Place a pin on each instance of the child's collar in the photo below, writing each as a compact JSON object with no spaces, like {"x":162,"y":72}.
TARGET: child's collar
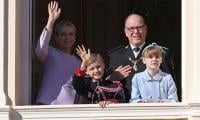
{"x":94,"y":80}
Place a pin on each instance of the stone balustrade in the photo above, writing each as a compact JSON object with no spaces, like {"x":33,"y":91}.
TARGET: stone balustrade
{"x":142,"y":111}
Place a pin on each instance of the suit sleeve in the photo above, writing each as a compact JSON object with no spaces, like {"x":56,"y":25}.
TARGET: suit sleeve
{"x":113,"y":64}
{"x":113,"y":58}
{"x":168,"y":64}
{"x":110,"y":63}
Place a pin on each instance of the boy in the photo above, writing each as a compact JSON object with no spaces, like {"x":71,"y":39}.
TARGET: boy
{"x":90,"y":81}
{"x":153,"y":85}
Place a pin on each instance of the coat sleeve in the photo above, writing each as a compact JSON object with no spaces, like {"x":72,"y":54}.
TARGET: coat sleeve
{"x":135,"y":93}
{"x":172,"y":91}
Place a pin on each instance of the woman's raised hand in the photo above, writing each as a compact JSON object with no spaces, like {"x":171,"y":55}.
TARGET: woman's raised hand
{"x":54,"y":10}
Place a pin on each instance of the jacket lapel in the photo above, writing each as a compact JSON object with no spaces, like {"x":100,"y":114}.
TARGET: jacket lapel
{"x":129,"y":52}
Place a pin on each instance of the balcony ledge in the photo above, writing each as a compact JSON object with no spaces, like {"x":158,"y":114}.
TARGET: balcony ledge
{"x":142,"y":111}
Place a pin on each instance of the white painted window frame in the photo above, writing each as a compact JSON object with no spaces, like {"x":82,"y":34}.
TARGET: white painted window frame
{"x":18,"y":37}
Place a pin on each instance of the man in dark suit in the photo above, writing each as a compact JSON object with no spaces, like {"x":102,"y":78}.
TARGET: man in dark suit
{"x":135,"y":30}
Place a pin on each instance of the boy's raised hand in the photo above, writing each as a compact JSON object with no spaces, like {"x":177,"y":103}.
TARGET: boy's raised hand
{"x":83,"y":54}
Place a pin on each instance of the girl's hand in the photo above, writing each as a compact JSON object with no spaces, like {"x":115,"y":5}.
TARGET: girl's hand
{"x":159,"y":101}
{"x":142,"y":101}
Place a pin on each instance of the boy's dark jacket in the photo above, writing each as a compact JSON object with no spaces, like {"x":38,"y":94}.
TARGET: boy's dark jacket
{"x":85,"y":87}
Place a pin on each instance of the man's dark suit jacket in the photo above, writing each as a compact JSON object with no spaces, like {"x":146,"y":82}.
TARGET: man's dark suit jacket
{"x":121,"y":55}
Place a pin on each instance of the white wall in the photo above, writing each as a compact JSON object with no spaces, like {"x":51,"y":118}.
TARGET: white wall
{"x":2,"y":95}
{"x":190,"y":74}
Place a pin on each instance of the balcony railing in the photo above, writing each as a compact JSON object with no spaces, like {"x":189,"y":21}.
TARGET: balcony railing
{"x":143,"y":111}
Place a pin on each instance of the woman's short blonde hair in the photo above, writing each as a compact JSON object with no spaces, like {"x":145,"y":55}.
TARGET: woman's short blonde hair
{"x":63,"y":23}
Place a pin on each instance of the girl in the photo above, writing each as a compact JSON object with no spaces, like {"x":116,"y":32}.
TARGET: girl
{"x":153,"y":85}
